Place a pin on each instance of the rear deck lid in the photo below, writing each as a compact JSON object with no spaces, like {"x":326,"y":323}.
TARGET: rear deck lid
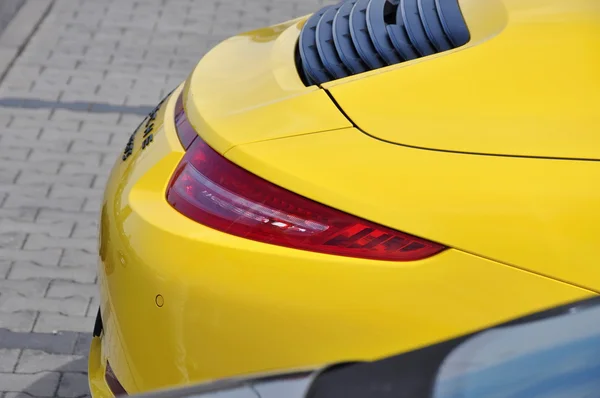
{"x":526,"y":84}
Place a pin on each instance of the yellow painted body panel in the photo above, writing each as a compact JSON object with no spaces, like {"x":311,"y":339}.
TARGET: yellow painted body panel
{"x":247,"y":89}
{"x":96,"y":369}
{"x":234,"y":306}
{"x":528,"y":84}
{"x":536,"y":214}
{"x":518,"y":229}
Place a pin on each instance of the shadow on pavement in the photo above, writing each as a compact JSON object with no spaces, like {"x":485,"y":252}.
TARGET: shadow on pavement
{"x":67,"y":381}
{"x":43,"y":365}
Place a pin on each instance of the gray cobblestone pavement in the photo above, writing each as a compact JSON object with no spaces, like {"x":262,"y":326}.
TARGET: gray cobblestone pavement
{"x":8,"y":8}
{"x":76,"y":76}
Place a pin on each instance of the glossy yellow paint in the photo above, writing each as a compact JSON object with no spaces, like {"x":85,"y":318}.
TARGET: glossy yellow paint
{"x":519,"y":228}
{"x":247,"y":89}
{"x":527,"y":84}
{"x":96,"y":369}
{"x":536,"y":214}
{"x":234,"y":306}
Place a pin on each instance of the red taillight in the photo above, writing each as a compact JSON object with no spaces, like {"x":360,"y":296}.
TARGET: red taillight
{"x":215,"y":192}
{"x":184,"y":130}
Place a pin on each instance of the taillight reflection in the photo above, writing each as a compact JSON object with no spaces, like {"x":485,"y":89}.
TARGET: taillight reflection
{"x":113,"y":383}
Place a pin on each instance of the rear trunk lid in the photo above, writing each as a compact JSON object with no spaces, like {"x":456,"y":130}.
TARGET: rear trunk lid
{"x":539,"y":215}
{"x":527,"y":84}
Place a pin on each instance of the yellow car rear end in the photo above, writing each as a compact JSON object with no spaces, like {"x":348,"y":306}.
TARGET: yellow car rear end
{"x":486,"y":238}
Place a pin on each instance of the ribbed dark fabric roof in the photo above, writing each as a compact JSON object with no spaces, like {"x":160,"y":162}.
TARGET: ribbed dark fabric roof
{"x":355,"y":36}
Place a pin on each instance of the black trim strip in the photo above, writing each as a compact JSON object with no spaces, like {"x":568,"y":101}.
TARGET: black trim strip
{"x":98,"y":326}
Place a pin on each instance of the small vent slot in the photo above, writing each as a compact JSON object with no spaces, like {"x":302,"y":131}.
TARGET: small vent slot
{"x":409,"y":11}
{"x":311,"y":60}
{"x":453,"y":22}
{"x":355,"y":36}
{"x":343,"y":40}
{"x":326,"y":45}
{"x":433,"y":25}
{"x":378,"y":31}
{"x":361,"y":37}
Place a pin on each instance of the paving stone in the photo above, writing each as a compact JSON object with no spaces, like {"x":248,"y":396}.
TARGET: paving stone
{"x":29,"y":270}
{"x":93,"y":307}
{"x":57,"y":215}
{"x":41,"y":257}
{"x":65,"y":115}
{"x":5,"y":267}
{"x":86,"y":230}
{"x":47,"y":323}
{"x":39,"y":241}
{"x":63,"y":191}
{"x":15,"y":395}
{"x":54,"y":228}
{"x":18,"y":321}
{"x":79,"y":258}
{"x":82,"y":346}
{"x":21,"y":137}
{"x":12,"y":240}
{"x":93,"y":160}
{"x":73,"y":385}
{"x":29,"y":288}
{"x":68,"y":204}
{"x":41,"y":167}
{"x":75,"y":169}
{"x":93,"y":205}
{"x":8,"y":153}
{"x":66,"y":306}
{"x":8,"y":176}
{"x":32,"y":140}
{"x":26,"y":117}
{"x":40,"y":385}
{"x":82,"y":181}
{"x":50,"y":343}
{"x":8,"y":359}
{"x":18,"y":214}
{"x":100,"y":182}
{"x":62,"y":289}
{"x":30,"y":192}
{"x":33,"y":361}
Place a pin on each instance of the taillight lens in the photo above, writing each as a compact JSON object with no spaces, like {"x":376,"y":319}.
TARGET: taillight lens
{"x":184,"y":129}
{"x":215,"y":192}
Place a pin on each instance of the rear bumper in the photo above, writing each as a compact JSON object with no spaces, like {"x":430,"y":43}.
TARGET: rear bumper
{"x":102,"y":380}
{"x":183,"y":303}
{"x":233,"y":311}
{"x":96,"y":370}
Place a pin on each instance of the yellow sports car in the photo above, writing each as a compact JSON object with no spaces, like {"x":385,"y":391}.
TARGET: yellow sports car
{"x":554,"y":353}
{"x":376,"y":177}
